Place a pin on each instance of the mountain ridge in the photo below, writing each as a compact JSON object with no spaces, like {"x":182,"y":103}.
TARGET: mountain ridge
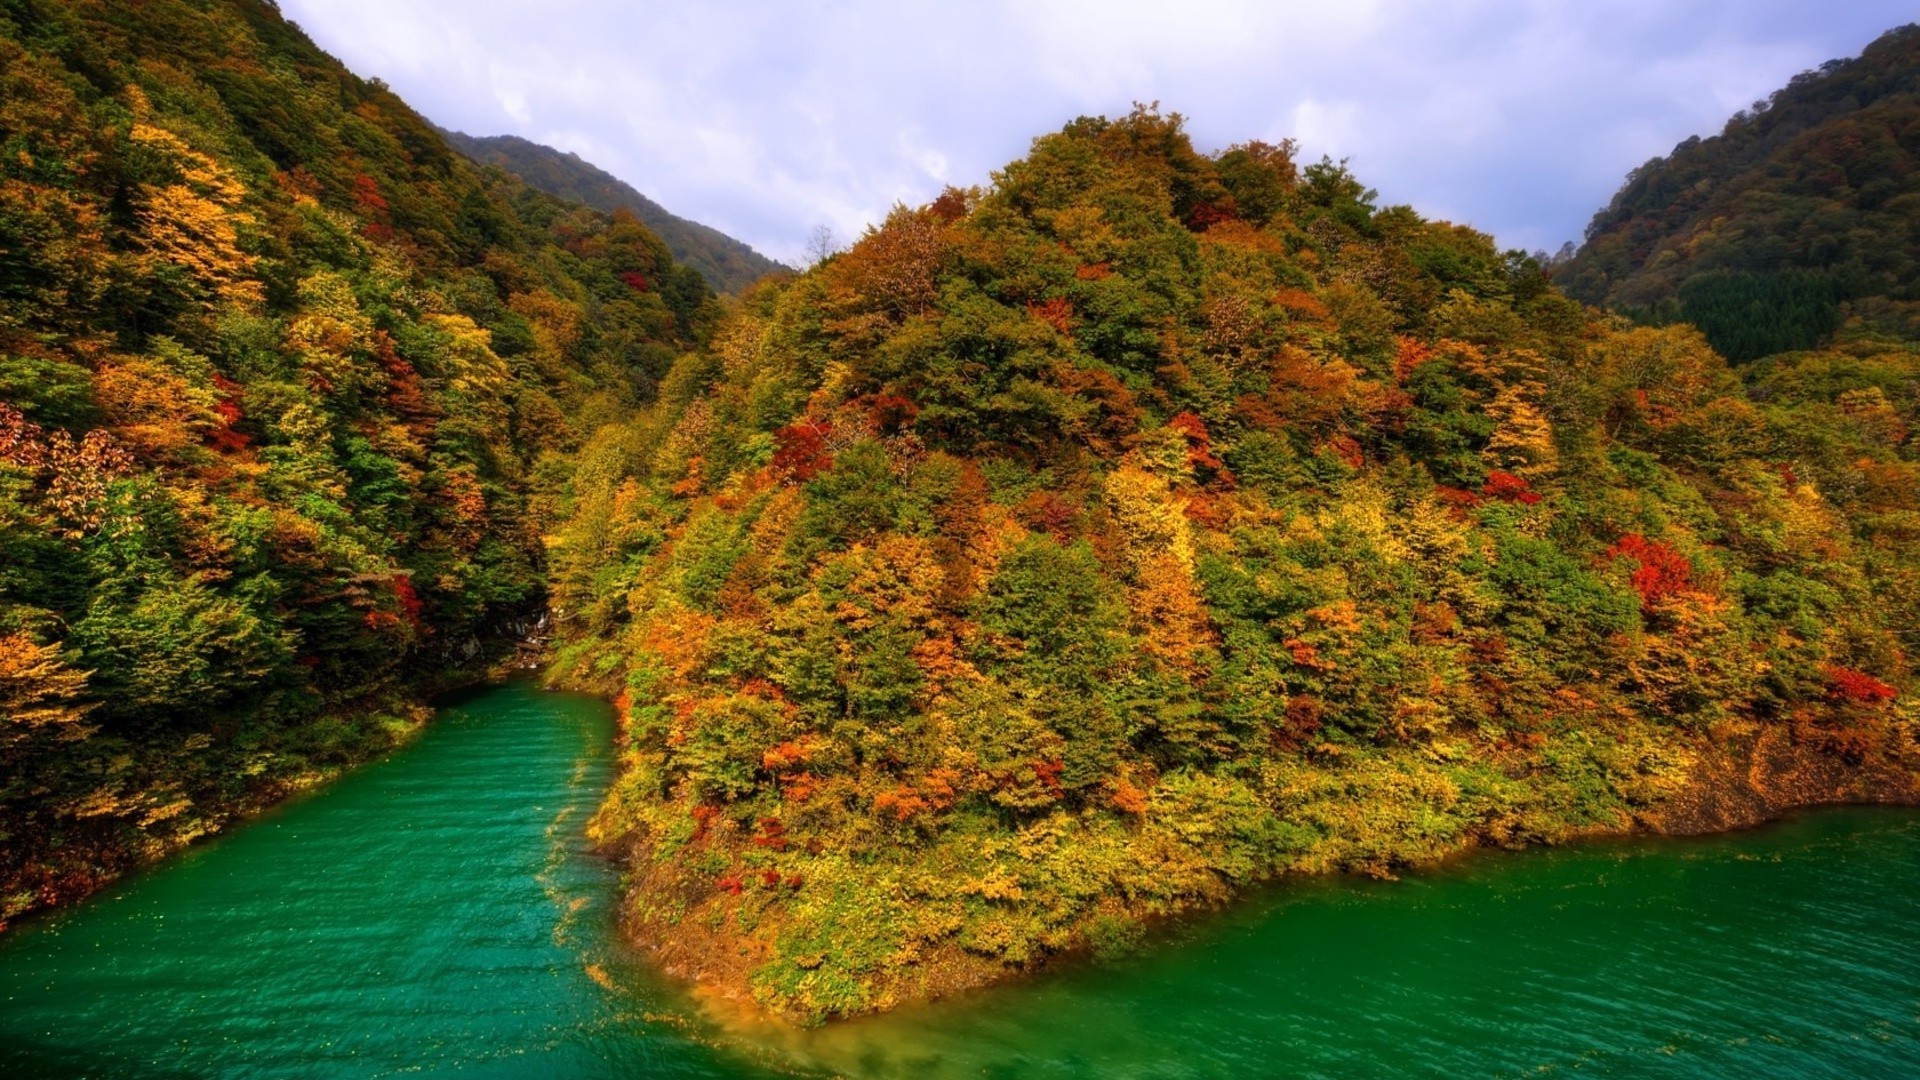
{"x":728,"y":264}
{"x":1800,"y":217}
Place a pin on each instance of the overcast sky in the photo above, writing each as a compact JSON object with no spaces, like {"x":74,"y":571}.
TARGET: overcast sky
{"x":766,"y":120}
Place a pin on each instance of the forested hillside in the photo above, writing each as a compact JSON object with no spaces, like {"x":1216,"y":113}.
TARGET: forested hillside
{"x":284,"y":385}
{"x":726,"y":263}
{"x":1802,"y":216}
{"x":1088,"y":547}
{"x":1068,"y":553}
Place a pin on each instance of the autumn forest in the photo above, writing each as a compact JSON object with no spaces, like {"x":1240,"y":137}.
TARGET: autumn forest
{"x":1070,"y":552}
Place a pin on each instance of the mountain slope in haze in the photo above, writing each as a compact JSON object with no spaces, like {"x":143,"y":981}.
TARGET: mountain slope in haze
{"x":1084,"y":549}
{"x":1801,"y":215}
{"x":727,"y":264}
{"x":284,"y":385}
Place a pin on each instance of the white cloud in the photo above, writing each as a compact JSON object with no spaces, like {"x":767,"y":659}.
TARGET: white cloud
{"x":765,"y":120}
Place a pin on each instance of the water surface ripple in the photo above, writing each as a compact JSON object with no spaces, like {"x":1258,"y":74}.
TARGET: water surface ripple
{"x":437,"y":913}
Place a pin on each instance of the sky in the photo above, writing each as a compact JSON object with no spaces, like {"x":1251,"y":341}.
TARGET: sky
{"x":769,"y":120}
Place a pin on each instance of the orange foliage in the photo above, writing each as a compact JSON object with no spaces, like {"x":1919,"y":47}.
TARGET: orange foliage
{"x":1056,"y":313}
{"x":1301,"y":304}
{"x":1126,"y":798}
{"x":1411,"y":355}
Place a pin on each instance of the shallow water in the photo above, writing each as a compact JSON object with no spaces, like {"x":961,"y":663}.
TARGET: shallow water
{"x":436,"y":912}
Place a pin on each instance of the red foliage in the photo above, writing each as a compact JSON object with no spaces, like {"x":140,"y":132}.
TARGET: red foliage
{"x":406,"y":396}
{"x":226,"y":437}
{"x":1056,"y":313}
{"x":1199,"y":446}
{"x":635,"y":280}
{"x":731,"y":884}
{"x":1048,"y":773}
{"x":770,"y":878}
{"x":408,"y":599}
{"x":1302,"y":724}
{"x":772,"y":834}
{"x":1205,"y":510}
{"x":887,"y":414}
{"x":1663,"y":571}
{"x":950,"y":207}
{"x":1458,"y":498}
{"x":1509,"y":488}
{"x":703,"y":819}
{"x":1209,"y":214}
{"x":1411,"y":355}
{"x":366,"y":195}
{"x":800,"y":451}
{"x":1094,"y":271}
{"x":1852,"y":687}
{"x":1047,"y":511}
{"x":1347,"y":450}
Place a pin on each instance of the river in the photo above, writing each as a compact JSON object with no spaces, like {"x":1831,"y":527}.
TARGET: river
{"x":437,"y":913}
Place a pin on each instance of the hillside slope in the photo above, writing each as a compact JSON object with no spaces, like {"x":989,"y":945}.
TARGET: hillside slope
{"x":1802,"y":215}
{"x":282,"y":382}
{"x":1084,"y":549}
{"x":726,"y":263}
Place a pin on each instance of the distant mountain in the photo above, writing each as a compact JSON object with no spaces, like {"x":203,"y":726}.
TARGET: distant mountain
{"x":727,"y":264}
{"x":1802,"y":215}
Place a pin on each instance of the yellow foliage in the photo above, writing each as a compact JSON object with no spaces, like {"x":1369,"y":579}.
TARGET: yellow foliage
{"x":1170,"y":615}
{"x":1151,"y":522}
{"x":1522,"y":443}
{"x":153,"y":409}
{"x":194,"y":223}
{"x":38,"y":689}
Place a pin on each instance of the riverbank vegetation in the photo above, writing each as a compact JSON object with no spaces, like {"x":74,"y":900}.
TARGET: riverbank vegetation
{"x":1080,"y":549}
{"x":1069,"y":552}
{"x":282,"y":379}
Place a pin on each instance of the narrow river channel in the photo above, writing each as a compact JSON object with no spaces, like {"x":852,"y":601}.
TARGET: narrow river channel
{"x":437,"y":913}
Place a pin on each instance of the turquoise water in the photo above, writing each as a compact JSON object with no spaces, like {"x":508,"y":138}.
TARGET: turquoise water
{"x":437,"y":913}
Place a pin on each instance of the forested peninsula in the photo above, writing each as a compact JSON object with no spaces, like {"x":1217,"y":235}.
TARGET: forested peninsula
{"x":1070,"y":552}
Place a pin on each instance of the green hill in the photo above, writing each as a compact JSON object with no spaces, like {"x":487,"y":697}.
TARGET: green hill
{"x":727,"y":264}
{"x":284,"y":384}
{"x":1085,"y":549}
{"x":1801,"y":216}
